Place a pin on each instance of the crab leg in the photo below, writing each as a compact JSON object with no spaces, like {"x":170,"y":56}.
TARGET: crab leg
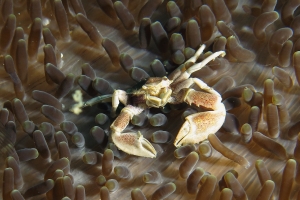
{"x":117,"y":97}
{"x":199,"y":125}
{"x":131,"y":143}
{"x":185,"y":70}
{"x":194,"y":58}
{"x":203,"y":63}
{"x":196,"y":67}
{"x":177,"y":72}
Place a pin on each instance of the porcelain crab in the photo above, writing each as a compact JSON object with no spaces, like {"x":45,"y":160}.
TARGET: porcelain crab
{"x":174,"y":89}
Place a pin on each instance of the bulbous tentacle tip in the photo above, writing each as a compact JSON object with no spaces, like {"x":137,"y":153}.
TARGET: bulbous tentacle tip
{"x":134,"y":144}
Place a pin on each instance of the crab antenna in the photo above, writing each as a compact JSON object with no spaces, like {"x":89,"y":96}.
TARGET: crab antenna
{"x":99,"y":99}
{"x":200,"y":65}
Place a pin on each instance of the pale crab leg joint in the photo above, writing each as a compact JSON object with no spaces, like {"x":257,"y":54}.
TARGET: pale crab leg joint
{"x":118,"y":96}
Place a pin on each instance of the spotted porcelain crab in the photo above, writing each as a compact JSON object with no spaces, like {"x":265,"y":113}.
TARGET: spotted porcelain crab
{"x":174,"y":89}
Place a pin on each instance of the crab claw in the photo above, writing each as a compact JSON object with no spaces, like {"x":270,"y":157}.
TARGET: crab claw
{"x":134,"y":143}
{"x":198,"y":126}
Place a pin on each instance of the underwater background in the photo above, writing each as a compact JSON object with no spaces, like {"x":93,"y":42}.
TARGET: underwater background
{"x":51,"y":50}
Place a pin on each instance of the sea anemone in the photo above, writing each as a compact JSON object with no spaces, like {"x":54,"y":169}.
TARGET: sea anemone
{"x":58,"y":54}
